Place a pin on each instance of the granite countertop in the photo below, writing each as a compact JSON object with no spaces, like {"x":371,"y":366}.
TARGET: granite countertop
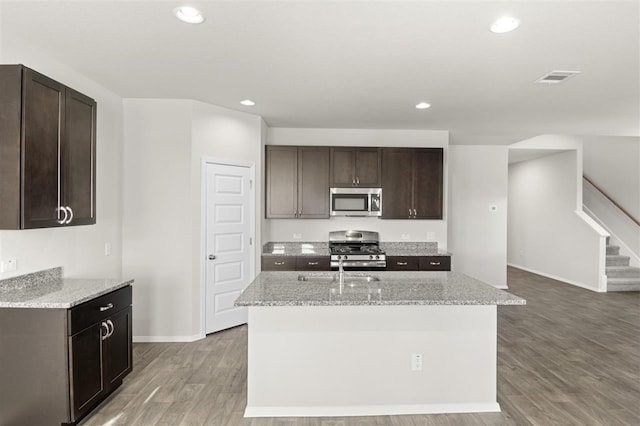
{"x":393,"y":288}
{"x":317,"y":248}
{"x":48,"y":289}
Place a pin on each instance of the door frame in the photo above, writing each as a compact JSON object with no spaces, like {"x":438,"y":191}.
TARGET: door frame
{"x":203,"y":228}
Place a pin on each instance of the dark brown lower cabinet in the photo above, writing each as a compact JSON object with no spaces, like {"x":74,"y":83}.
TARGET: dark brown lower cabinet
{"x":296,"y":263}
{"x":418,"y":263}
{"x":403,"y":263}
{"x":56,"y":365}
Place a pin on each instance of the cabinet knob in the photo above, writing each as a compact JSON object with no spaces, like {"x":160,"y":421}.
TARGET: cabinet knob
{"x":212,"y":257}
{"x":401,"y":263}
{"x":312,"y":263}
{"x":434,"y":263}
{"x":278,"y":263}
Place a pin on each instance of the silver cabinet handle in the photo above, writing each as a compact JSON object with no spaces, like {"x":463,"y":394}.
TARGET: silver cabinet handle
{"x":106,"y":308}
{"x":401,"y":263}
{"x":312,"y":263}
{"x":110,"y":324}
{"x":212,"y":257}
{"x":434,"y":263}
{"x":66,"y":215}
{"x":358,"y":181}
{"x":70,"y":215}
{"x":353,"y":181}
{"x":409,"y":212}
{"x":104,"y":324}
{"x":415,"y":212}
{"x":278,"y":263}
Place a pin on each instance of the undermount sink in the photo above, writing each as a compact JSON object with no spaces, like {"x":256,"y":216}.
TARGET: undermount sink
{"x":334,"y":278}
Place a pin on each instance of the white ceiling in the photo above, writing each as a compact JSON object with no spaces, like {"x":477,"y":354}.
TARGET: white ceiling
{"x":362,"y":64}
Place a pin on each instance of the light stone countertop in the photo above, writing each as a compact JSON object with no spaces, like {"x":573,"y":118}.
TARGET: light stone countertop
{"x":393,"y":288}
{"x":48,"y":289}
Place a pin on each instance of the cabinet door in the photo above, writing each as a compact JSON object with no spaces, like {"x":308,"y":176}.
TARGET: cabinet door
{"x":396,"y":183}
{"x":342,"y":167}
{"x":403,"y":263}
{"x":118,"y":349}
{"x":42,"y":112}
{"x":278,"y":263}
{"x":78,"y":157}
{"x":313,"y":182}
{"x":313,"y":263}
{"x":281,"y":182}
{"x":85,"y":368}
{"x":368,"y":163}
{"x":427,"y":183}
{"x":435,"y":263}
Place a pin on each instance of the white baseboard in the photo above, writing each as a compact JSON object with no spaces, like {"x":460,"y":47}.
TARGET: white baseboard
{"x":370,"y":410}
{"x":553,"y":277}
{"x":167,"y":339}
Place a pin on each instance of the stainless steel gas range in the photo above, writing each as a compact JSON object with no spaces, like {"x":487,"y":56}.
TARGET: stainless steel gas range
{"x":358,"y":251}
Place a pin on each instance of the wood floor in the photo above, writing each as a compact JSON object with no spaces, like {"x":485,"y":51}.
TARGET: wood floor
{"x":569,"y":357}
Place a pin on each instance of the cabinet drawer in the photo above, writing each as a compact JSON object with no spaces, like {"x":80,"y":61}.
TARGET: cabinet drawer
{"x":435,"y":263}
{"x":278,"y":263}
{"x":313,"y":263}
{"x":402,"y":263}
{"x":95,"y":310}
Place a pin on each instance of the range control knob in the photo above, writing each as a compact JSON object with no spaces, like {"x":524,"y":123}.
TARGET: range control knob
{"x":345,"y":257}
{"x":370,"y":256}
{"x":377,"y":257}
{"x":339,"y":257}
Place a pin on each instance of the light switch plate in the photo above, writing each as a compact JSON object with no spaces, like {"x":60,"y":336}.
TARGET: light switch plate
{"x":9,"y":265}
{"x":493,"y":208}
{"x":405,"y":236}
{"x":297,"y":236}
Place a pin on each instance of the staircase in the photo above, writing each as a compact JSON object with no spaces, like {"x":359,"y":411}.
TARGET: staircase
{"x":620,"y":276}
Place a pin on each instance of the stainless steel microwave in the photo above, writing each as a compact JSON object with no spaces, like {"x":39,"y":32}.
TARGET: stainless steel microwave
{"x":356,"y":201}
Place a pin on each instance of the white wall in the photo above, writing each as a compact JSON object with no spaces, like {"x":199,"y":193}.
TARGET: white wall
{"x":478,"y":179}
{"x":613,"y":163}
{"x":547,"y":232}
{"x":79,"y":249}
{"x":165,"y":141}
{"x":390,"y":230}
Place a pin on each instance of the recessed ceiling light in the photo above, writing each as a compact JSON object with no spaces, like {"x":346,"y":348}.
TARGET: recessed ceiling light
{"x":189,"y":14}
{"x":505,"y":24}
{"x":248,"y":102}
{"x":423,"y":105}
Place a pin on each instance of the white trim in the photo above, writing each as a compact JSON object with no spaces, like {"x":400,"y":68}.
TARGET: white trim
{"x":554,"y":277}
{"x":203,"y":226}
{"x":163,"y":339}
{"x":624,"y":248}
{"x":370,"y":410}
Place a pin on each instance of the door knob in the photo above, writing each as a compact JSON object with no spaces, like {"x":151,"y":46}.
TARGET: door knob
{"x":212,"y":257}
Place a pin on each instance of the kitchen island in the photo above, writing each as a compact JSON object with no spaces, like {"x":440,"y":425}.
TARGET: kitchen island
{"x":378,"y":344}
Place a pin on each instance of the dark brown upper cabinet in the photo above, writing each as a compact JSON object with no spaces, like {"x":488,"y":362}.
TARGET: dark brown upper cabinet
{"x":297,"y":183}
{"x":354,"y":166}
{"x":47,"y":152}
{"x":412,"y":181}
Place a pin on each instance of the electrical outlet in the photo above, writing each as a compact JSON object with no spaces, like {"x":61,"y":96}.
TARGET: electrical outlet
{"x":493,"y":208}
{"x":416,"y":362}
{"x":9,"y":265}
{"x":107,"y":249}
{"x":431,"y":236}
{"x":405,"y":236}
{"x":297,"y":236}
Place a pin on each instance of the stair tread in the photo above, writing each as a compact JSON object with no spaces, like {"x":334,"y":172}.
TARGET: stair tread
{"x":618,"y":256}
{"x":622,"y":268}
{"x":621,"y":280}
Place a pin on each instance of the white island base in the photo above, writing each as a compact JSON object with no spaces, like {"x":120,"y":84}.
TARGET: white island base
{"x":357,"y":360}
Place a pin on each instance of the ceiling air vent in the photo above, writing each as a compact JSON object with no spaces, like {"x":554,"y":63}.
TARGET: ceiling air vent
{"x":555,"y":77}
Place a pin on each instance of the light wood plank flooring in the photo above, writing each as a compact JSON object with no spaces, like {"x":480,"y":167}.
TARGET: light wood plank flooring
{"x":569,"y":357}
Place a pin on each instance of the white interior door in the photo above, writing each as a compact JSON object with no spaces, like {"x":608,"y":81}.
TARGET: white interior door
{"x":229,"y":211}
